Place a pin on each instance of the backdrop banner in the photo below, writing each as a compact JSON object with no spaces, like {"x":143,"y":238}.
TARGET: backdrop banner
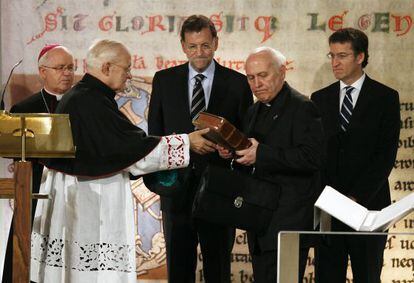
{"x":150,"y":29}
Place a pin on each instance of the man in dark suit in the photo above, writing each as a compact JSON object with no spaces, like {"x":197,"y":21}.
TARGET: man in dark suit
{"x":286,"y":150}
{"x":361,"y":120}
{"x":56,"y":69}
{"x":178,"y":95}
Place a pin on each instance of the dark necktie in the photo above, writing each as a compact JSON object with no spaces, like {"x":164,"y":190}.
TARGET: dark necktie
{"x":346,"y":109}
{"x":198,"y":101}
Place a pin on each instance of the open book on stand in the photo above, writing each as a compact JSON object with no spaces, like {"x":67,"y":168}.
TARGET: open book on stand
{"x":222,"y":132}
{"x":355,"y":215}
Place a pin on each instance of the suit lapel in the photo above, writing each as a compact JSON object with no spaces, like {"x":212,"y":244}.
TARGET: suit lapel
{"x":218,"y":87}
{"x":333,"y":106}
{"x":363,"y":102}
{"x":181,"y":87}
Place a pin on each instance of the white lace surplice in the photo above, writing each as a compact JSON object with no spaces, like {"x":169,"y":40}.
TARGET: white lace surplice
{"x":85,"y":231}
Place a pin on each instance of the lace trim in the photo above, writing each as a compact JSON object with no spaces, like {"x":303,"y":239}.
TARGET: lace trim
{"x":82,"y":257}
{"x":176,"y":153}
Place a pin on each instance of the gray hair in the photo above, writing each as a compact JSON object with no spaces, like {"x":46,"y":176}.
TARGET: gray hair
{"x":278,"y":59}
{"x":44,"y":60}
{"x":103,"y":50}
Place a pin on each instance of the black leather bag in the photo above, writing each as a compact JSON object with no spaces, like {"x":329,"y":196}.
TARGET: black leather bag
{"x":231,"y":198}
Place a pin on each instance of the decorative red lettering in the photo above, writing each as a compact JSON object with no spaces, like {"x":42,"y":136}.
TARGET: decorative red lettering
{"x":336,"y":22}
{"x":398,"y":23}
{"x":106,"y":23}
{"x":218,"y":23}
{"x":364,"y":22}
{"x":155,"y":22}
{"x":263,"y":24}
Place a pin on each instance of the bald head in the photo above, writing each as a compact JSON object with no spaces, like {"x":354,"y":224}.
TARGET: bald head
{"x":275,"y":56}
{"x":104,"y":50}
{"x":110,"y":62}
{"x":265,"y":71}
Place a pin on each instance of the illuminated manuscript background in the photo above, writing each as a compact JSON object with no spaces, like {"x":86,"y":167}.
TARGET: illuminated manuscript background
{"x":150,"y":29}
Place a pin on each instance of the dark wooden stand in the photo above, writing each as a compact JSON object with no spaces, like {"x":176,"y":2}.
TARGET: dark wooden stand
{"x":20,"y":188}
{"x":14,"y":130}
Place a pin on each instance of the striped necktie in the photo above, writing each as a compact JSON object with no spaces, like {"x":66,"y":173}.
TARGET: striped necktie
{"x":198,"y":101}
{"x":346,"y":109}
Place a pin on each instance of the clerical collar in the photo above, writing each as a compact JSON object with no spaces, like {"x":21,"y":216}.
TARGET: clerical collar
{"x":277,"y":97}
{"x":58,"y":96}
{"x":270,"y":103}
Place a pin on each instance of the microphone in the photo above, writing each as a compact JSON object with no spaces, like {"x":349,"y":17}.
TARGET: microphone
{"x":5,"y":86}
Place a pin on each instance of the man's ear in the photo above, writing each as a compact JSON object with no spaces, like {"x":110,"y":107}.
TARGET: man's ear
{"x":105,"y":68}
{"x":360,"y":58}
{"x":42,"y":73}
{"x":215,"y":43}
{"x":183,"y":46}
{"x":282,"y":71}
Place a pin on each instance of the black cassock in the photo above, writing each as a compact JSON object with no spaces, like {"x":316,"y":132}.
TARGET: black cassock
{"x":106,"y":141}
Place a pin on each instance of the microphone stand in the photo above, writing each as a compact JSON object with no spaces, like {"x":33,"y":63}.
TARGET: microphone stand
{"x":7,"y":83}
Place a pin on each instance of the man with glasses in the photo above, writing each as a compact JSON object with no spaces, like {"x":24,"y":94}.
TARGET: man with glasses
{"x":56,"y":70}
{"x":85,"y":232}
{"x":361,"y":120}
{"x":179,"y":94}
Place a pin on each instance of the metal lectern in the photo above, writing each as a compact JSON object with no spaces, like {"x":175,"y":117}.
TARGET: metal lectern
{"x":29,"y":136}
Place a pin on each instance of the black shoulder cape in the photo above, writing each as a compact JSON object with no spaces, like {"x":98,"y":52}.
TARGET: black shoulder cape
{"x":106,"y":141}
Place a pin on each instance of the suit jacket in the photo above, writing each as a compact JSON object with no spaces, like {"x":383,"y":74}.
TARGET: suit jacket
{"x":290,"y":157}
{"x":169,"y":113}
{"x":35,"y":104}
{"x":359,"y":161}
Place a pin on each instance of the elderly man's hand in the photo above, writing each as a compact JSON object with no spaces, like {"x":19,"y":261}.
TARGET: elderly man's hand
{"x":248,"y":156}
{"x":223,"y":152}
{"x":199,"y":144}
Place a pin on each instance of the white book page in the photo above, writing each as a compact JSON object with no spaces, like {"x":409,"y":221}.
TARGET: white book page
{"x":342,"y":208}
{"x":369,"y":221}
{"x":394,"y":212}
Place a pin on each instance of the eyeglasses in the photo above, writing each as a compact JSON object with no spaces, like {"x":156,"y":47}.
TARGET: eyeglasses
{"x":339,"y":56}
{"x":127,"y":70}
{"x":192,"y":48}
{"x":62,"y":68}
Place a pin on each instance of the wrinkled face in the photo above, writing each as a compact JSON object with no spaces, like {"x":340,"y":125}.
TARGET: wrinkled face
{"x":346,"y":66}
{"x":199,"y":48}
{"x":120,"y":71}
{"x":57,"y":72}
{"x":265,"y":79}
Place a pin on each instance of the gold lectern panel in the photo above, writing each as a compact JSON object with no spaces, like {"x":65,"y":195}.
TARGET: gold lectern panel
{"x":47,"y":135}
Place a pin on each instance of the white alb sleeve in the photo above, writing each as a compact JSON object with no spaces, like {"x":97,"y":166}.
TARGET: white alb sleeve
{"x":172,"y":152}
